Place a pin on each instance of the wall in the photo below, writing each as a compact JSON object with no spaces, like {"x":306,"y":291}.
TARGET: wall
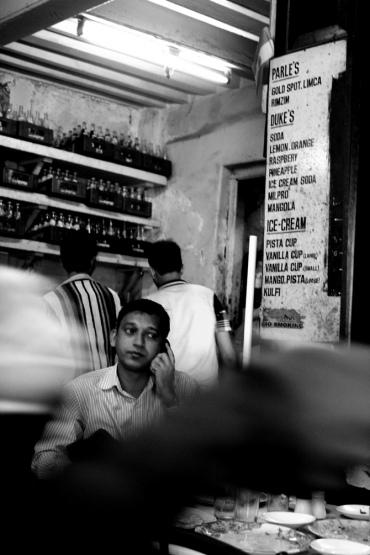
{"x":202,"y":138}
{"x":67,"y":108}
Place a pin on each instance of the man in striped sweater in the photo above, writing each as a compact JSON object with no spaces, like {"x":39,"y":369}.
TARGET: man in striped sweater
{"x":86,"y":309}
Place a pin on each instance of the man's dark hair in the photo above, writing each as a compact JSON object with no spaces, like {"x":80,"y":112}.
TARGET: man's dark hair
{"x":77,"y":251}
{"x":164,"y":257}
{"x":148,"y":307}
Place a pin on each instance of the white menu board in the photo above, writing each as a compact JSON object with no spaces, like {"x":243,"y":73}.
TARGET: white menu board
{"x":295,"y":303}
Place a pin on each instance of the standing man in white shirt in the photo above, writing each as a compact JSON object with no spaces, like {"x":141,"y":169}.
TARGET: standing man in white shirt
{"x":200,"y":334}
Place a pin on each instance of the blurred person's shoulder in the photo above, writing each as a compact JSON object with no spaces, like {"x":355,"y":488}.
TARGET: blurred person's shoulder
{"x":185,"y":382}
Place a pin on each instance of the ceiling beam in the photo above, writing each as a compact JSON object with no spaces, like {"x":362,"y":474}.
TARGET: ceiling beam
{"x":100,"y":73}
{"x":67,"y":79}
{"x":260,"y":6}
{"x":179,"y":29}
{"x":67,"y":45}
{"x":19,"y":18}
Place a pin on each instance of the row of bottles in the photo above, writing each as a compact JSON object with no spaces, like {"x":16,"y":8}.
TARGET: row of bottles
{"x":10,"y":216}
{"x":19,"y":114}
{"x":67,"y":140}
{"x":95,"y":192}
{"x":92,"y":140}
{"x":111,"y":235}
{"x":27,"y":125}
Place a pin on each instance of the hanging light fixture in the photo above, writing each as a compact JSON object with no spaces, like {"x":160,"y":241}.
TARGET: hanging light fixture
{"x":117,"y":40}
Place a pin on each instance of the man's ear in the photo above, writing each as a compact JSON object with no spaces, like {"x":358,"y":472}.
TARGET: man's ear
{"x":113,"y":337}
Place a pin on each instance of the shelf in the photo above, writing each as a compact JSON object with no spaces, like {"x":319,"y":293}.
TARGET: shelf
{"x":54,"y":250}
{"x":64,"y":204}
{"x":138,"y":177}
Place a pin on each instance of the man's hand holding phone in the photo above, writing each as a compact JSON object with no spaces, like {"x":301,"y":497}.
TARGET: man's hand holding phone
{"x":163,"y":368}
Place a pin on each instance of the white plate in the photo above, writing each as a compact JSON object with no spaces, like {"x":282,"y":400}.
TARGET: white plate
{"x":285,"y":518}
{"x":257,"y":539}
{"x":354,"y":511}
{"x":333,"y":546}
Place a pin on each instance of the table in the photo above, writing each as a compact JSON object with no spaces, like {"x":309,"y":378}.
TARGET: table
{"x":203,"y":544}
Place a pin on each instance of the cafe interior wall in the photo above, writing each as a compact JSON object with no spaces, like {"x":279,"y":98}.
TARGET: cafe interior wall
{"x":203,"y":137}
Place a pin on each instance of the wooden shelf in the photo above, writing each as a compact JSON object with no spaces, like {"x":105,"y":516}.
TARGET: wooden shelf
{"x":63,"y":204}
{"x":140,"y":177}
{"x":27,"y":245}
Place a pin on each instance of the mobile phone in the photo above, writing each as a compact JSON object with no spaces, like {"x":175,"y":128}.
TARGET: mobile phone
{"x":165,"y":344}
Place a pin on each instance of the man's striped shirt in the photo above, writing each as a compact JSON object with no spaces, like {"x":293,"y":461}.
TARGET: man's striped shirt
{"x":87,"y":312}
{"x":97,"y":401}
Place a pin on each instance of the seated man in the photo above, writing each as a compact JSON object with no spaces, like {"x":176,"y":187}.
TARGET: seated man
{"x":120,"y":399}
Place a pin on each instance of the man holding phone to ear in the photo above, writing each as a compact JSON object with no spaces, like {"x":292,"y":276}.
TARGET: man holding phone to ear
{"x":118,"y":401}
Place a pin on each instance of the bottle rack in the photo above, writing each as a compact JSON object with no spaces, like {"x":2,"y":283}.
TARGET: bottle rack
{"x":96,"y":144}
{"x":117,"y":214}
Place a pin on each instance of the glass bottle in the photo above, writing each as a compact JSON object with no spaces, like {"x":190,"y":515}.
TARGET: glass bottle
{"x":29,"y":117}
{"x":9,"y":112}
{"x":17,"y":214}
{"x":88,"y":226}
{"x":53,"y":219}
{"x":61,"y":220}
{"x":110,"y":229}
{"x":103,"y":229}
{"x":114,"y":138}
{"x":318,"y":504}
{"x":38,"y":119}
{"x":47,"y":219}
{"x":75,"y":134}
{"x":21,"y":116}
{"x":45,"y":122}
{"x":76,"y":224}
{"x":9,"y":211}
{"x":64,"y":141}
{"x":107,"y":136}
{"x":92,"y":131}
{"x":69,"y":222}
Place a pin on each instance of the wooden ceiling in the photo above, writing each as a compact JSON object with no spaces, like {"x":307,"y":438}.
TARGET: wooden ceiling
{"x":226,"y":29}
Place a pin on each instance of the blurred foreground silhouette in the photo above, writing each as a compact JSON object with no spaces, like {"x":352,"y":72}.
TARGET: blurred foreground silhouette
{"x":294,"y":420}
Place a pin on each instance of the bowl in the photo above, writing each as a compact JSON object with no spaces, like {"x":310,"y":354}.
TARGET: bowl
{"x":360,"y":512}
{"x":333,"y":546}
{"x":286,"y":518}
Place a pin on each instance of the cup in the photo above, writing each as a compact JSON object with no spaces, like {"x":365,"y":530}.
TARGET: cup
{"x":303,"y":506}
{"x":279,"y":502}
{"x":247,"y":505}
{"x":224,"y":505}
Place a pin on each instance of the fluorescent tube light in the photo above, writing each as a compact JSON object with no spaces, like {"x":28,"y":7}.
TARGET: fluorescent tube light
{"x":115,"y":39}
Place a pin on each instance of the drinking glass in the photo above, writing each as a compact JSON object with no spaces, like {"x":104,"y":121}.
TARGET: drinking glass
{"x":247,"y":505}
{"x":224,"y":504}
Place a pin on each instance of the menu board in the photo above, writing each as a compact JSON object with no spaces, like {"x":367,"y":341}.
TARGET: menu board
{"x":295,"y":301}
